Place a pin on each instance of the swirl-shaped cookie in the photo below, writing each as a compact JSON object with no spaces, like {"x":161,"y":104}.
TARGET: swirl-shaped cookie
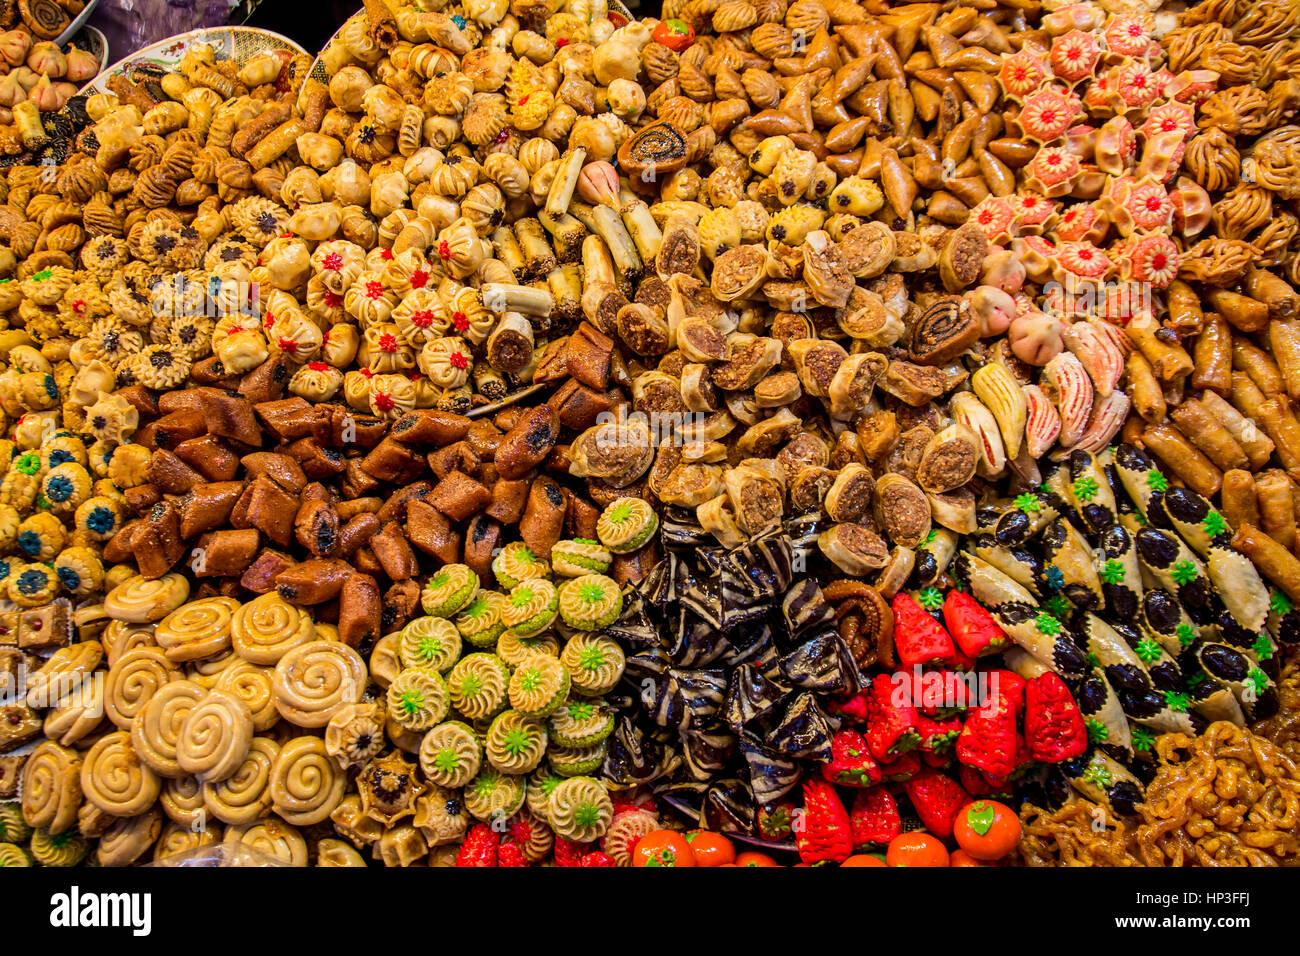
{"x":515,"y":743}
{"x":121,"y":637}
{"x":196,"y":630}
{"x":51,"y":790}
{"x":626,"y":524}
{"x":538,"y":686}
{"x":58,"y":849}
{"x":13,"y":828}
{"x":581,"y":723}
{"x":516,"y":563}
{"x":627,"y":827}
{"x":252,"y":685}
{"x":450,"y":755}
{"x":207,"y":672}
{"x":430,"y":642}
{"x":541,"y":783}
{"x":277,"y":840}
{"x":480,"y":622}
{"x":139,"y":600}
{"x":182,"y":801}
{"x":266,"y":628}
{"x":13,"y":855}
{"x":306,"y":784}
{"x":580,"y":809}
{"x":315,"y":679}
{"x":157,"y":726}
{"x":176,"y":839}
{"x":512,"y":648}
{"x":215,"y":737}
{"x":594,"y":663}
{"x":449,"y":590}
{"x":126,"y":840}
{"x":534,"y":838}
{"x":135,"y":678}
{"x":590,"y":602}
{"x":244,"y":796}
{"x":331,"y":852}
{"x":115,"y":779}
{"x":477,"y":685}
{"x":579,"y":556}
{"x":531,"y":607}
{"x":418,"y":699}
{"x":492,"y":795}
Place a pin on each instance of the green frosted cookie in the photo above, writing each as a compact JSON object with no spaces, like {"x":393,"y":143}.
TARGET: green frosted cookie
{"x":449,"y":590}
{"x":581,"y":723}
{"x":578,"y":556}
{"x":512,"y":648}
{"x":13,"y":828}
{"x":417,"y":699}
{"x":450,"y":754}
{"x":477,"y":685}
{"x":595,"y":663}
{"x":516,"y":563}
{"x":429,"y":642}
{"x":480,"y":622}
{"x":626,"y":524}
{"x":515,"y":743}
{"x":538,"y":686}
{"x":540,"y":784}
{"x":590,"y":602}
{"x":530,"y":607}
{"x":494,"y":795}
{"x":575,"y":761}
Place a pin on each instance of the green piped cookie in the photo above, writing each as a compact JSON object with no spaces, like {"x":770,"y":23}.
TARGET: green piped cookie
{"x":538,"y":686}
{"x":480,"y":622}
{"x":626,"y":524}
{"x":578,"y":556}
{"x":590,"y":602}
{"x":530,"y":607}
{"x":516,"y":563}
{"x":449,"y":590}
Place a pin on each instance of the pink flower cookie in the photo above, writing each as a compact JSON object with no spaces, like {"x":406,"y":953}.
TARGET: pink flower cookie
{"x":995,"y":217}
{"x":1048,"y":112}
{"x":1033,"y":213}
{"x":1081,"y":222}
{"x":1152,"y":259}
{"x":1021,"y":73}
{"x":1074,"y":56}
{"x":1052,"y":171}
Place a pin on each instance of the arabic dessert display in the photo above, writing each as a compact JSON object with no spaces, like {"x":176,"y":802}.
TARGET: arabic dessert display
{"x":835,"y":434}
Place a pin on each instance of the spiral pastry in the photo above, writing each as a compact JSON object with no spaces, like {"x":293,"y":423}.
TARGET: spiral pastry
{"x":516,"y":563}
{"x":580,"y":809}
{"x":58,"y":849}
{"x":477,"y":685}
{"x":480,"y":622}
{"x":215,"y":737}
{"x":627,"y":827}
{"x":417,"y":699}
{"x":306,"y":784}
{"x":440,"y":816}
{"x":355,"y":733}
{"x":432,"y":643}
{"x":266,"y":628}
{"x":176,"y":839}
{"x":337,"y":853}
{"x":244,"y":796}
{"x":538,"y":686}
{"x":450,"y":590}
{"x":450,"y":755}
{"x":277,"y":840}
{"x":252,"y":685}
{"x":943,"y":331}
{"x":119,"y":637}
{"x":139,"y":600}
{"x":136,"y":677}
{"x":313,"y":680}
{"x":531,"y":607}
{"x":208,"y":671}
{"x":51,"y":791}
{"x":626,"y":524}
{"x":590,"y":602}
{"x":182,"y":801}
{"x":46,"y":18}
{"x":514,"y":743}
{"x":157,"y":727}
{"x":492,"y":795}
{"x":594,"y":663}
{"x":658,"y":150}
{"x":512,"y":648}
{"x":196,"y":630}
{"x":127,"y":839}
{"x":115,"y":779}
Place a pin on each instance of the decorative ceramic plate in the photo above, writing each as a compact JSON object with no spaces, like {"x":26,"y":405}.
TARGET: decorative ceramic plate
{"x":77,"y":22}
{"x":240,"y":44}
